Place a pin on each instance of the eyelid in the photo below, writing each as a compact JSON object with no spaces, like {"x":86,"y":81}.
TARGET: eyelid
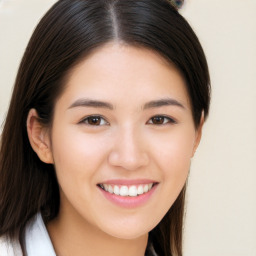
{"x":84,"y":119}
{"x":168,"y":120}
{"x":171,"y":120}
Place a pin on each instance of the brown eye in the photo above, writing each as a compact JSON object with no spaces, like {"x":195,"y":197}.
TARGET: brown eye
{"x":160,"y":120}
{"x":94,"y":120}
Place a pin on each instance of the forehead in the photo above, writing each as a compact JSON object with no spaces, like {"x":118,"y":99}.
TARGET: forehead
{"x":115,"y":70}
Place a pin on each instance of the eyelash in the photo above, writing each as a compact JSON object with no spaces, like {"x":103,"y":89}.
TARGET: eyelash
{"x":165,"y":120}
{"x":88,"y":118}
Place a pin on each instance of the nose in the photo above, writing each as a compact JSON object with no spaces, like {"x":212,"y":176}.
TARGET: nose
{"x":129,"y":150}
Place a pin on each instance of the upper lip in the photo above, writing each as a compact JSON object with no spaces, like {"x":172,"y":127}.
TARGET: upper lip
{"x":128,"y":182}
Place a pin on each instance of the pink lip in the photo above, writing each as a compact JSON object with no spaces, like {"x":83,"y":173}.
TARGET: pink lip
{"x":128,"y":182}
{"x":129,"y":201}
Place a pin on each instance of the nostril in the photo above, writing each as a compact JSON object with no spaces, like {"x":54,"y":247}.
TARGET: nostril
{"x":128,"y":150}
{"x":128,"y":161}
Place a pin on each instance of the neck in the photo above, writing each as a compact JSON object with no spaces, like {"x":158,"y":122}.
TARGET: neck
{"x":72,"y":235}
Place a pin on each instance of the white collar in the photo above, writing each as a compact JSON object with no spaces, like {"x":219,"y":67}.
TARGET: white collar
{"x":37,"y":240}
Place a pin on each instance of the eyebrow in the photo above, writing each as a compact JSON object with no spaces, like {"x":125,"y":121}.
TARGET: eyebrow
{"x":91,"y":103}
{"x":102,"y":104}
{"x":163,"y":102}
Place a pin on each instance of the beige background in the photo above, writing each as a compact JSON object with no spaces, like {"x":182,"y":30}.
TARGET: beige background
{"x":221,"y":201}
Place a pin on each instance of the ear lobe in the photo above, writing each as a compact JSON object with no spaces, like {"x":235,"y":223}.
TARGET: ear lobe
{"x":39,"y":137}
{"x":198,"y":134}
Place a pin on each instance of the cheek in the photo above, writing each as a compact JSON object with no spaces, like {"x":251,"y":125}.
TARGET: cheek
{"x":173,"y":157}
{"x":174,"y":150}
{"x":77,"y":155}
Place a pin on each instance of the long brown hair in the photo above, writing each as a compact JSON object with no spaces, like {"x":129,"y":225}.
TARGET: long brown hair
{"x":68,"y":32}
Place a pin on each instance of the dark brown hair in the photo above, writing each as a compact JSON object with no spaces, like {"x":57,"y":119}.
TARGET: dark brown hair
{"x":65,"y":35}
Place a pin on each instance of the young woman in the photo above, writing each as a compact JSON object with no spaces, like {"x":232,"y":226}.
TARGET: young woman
{"x":106,"y":114}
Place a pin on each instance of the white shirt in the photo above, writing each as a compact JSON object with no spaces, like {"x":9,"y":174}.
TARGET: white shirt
{"x":37,"y":241}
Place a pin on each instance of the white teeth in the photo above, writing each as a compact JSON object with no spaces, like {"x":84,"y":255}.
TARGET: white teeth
{"x":126,"y":190}
{"x":145,"y":189}
{"x":110,"y":189}
{"x":116,"y":190}
{"x":133,"y":191}
{"x":140,"y":190}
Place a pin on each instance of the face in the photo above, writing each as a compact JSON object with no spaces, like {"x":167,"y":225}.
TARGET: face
{"x":121,"y":140}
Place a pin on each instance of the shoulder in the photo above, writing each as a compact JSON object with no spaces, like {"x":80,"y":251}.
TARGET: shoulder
{"x":37,"y":241}
{"x":8,"y":247}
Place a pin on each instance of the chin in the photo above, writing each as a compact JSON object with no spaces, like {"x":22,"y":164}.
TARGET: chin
{"x":127,"y":235}
{"x":129,"y":231}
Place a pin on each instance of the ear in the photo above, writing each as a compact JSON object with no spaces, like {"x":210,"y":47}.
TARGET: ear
{"x":39,"y":137}
{"x":198,"y":134}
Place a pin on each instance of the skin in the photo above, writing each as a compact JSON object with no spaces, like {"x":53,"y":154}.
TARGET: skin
{"x":127,"y":144}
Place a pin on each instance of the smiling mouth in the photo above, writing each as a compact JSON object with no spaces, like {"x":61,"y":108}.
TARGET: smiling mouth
{"x":127,"y":191}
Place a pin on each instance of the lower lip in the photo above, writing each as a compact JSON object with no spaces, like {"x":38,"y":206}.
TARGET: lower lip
{"x":129,"y":201}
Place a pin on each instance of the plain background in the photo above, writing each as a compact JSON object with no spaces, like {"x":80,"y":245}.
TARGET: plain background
{"x":221,"y":198}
